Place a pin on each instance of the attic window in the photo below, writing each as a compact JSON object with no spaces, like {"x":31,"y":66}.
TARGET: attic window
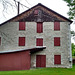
{"x":35,"y":12}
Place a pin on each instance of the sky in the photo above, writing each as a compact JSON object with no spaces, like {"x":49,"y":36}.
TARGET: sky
{"x":58,"y":6}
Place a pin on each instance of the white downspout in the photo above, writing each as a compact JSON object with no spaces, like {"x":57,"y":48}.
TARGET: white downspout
{"x":70,"y":50}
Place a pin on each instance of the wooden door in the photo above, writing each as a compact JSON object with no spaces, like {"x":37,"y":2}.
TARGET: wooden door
{"x":41,"y":61}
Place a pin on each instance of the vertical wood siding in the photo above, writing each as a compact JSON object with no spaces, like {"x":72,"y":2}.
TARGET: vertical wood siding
{"x":40,"y":60}
{"x":15,"y":61}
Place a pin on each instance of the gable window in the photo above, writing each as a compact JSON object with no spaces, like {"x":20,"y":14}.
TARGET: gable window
{"x":21,"y":41}
{"x":35,"y":12}
{"x":56,"y":41}
{"x":39,"y":27}
{"x":57,"y":59}
{"x":39,"y":42}
{"x":21,"y":25}
{"x":0,"y":40}
{"x":56,"y":26}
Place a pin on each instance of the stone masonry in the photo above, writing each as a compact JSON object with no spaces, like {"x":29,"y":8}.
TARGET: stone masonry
{"x":10,"y":34}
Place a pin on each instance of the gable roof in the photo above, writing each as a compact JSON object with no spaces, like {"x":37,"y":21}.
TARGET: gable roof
{"x":48,"y":13}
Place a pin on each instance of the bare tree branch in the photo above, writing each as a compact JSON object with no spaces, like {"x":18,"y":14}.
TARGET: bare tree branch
{"x":28,"y":2}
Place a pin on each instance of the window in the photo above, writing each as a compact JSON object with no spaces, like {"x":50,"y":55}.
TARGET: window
{"x":56,"y":25}
{"x":35,"y":12}
{"x":21,"y":25}
{"x":39,"y":27}
{"x":21,"y":41}
{"x":56,"y":41}
{"x":39,"y":42}
{"x":0,"y":40}
{"x":57,"y":59}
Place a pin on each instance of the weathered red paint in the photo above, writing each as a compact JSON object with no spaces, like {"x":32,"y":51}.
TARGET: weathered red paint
{"x":21,"y":25}
{"x":36,"y":12}
{"x":39,"y":42}
{"x":57,"y":59}
{"x":21,"y":41}
{"x":39,"y":27}
{"x":56,"y":41}
{"x":40,"y":60}
{"x":56,"y":25}
{"x":15,"y":61}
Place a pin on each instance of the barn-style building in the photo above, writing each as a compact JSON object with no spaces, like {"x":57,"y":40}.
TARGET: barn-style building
{"x":38,"y":37}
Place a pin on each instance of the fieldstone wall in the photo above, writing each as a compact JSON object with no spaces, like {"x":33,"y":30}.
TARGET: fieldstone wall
{"x":10,"y":33}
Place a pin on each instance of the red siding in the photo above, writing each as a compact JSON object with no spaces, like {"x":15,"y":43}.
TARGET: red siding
{"x":39,"y":27}
{"x":57,"y":59}
{"x":0,"y":40}
{"x":41,"y":61}
{"x":56,"y":41}
{"x":15,"y":61}
{"x":56,"y":25}
{"x":39,"y":42}
{"x":21,"y":25}
{"x":21,"y":41}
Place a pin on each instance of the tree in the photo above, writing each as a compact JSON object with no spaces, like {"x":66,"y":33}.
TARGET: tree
{"x":73,"y":35}
{"x":73,"y":45}
{"x":71,"y":4}
{"x":8,"y":3}
{"x":73,"y":49}
{"x":11,"y":4}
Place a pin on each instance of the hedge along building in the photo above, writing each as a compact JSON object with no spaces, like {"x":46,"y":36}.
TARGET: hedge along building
{"x":38,"y":37}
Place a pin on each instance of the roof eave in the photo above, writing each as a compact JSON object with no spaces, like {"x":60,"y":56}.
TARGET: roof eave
{"x":39,"y":4}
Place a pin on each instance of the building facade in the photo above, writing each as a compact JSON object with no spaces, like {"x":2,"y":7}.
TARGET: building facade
{"x":39,"y":37}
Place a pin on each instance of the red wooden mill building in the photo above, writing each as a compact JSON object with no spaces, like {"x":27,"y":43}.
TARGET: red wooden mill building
{"x":38,"y":37}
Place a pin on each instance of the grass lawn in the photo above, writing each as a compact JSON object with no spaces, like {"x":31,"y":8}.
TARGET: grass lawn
{"x":42,"y":71}
{"x":73,"y":56}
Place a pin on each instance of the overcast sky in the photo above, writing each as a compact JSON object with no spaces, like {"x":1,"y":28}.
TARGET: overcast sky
{"x":57,"y":5}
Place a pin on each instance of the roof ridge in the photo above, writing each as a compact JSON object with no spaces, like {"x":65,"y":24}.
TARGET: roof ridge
{"x":39,"y":4}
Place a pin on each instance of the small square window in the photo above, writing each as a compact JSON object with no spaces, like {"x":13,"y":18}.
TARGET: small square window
{"x":35,"y":12}
{"x":39,"y":42}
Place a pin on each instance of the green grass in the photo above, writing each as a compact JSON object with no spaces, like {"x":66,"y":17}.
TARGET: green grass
{"x":73,"y":56}
{"x":42,"y":71}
